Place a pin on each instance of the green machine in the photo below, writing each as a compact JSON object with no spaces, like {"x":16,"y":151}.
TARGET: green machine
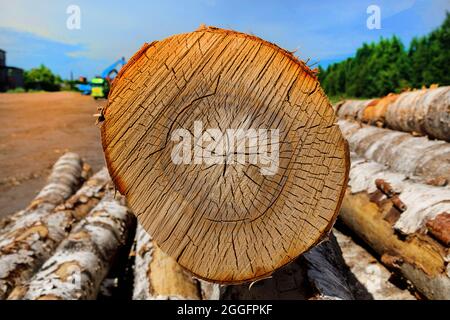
{"x":99,"y":88}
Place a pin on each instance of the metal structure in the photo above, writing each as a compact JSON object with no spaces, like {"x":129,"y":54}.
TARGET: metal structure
{"x":98,"y":87}
{"x":10,"y":77}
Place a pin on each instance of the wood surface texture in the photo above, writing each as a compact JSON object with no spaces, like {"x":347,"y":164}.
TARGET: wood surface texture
{"x":417,"y":157}
{"x":82,"y":260}
{"x":30,"y":235}
{"x":393,"y":215}
{"x":225,"y":222}
{"x":421,"y":112}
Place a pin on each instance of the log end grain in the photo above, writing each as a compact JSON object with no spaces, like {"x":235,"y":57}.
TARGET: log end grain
{"x":225,"y":221}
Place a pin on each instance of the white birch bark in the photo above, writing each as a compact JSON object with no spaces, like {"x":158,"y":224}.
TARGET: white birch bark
{"x":83,"y":259}
{"x":425,"y":111}
{"x":28,"y":248}
{"x":23,"y":243}
{"x":399,"y":234}
{"x":414,"y":156}
{"x":371,"y":273}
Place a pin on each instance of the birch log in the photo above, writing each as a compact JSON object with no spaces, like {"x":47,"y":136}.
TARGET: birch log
{"x":210,"y":290}
{"x":6,"y":223}
{"x":425,"y":111}
{"x":320,"y":273}
{"x":237,"y":211}
{"x":24,"y":250}
{"x":375,"y":113}
{"x":354,"y":109}
{"x":23,"y":243}
{"x":371,"y":273}
{"x":83,"y":259}
{"x":66,"y":176}
{"x":394,"y":223}
{"x":157,"y":275}
{"x":413,"y":156}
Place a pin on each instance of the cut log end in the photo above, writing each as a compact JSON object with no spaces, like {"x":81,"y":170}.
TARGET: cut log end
{"x":228,"y":152}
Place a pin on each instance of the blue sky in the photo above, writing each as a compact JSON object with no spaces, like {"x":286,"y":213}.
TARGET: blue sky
{"x":35,"y":32}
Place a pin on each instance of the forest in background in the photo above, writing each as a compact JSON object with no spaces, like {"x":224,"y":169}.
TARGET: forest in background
{"x":387,"y":66}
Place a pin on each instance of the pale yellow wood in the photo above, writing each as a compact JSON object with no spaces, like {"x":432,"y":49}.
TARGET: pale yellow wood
{"x":158,"y":276}
{"x":225,"y":222}
{"x":398,"y":236}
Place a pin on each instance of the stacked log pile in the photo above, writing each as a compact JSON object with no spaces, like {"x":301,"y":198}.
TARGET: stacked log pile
{"x":228,"y":224}
{"x":392,"y":214}
{"x":417,"y":157}
{"x":27,"y":239}
{"x":67,"y":251}
{"x":62,"y":245}
{"x":223,"y":230}
{"x":398,"y":199}
{"x":80,"y":263}
{"x":422,"y":112}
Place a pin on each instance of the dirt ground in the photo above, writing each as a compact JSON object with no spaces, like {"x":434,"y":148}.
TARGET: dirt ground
{"x":37,"y":128}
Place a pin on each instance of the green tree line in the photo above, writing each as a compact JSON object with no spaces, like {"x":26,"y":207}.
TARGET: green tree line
{"x":387,"y":66}
{"x":42,"y":78}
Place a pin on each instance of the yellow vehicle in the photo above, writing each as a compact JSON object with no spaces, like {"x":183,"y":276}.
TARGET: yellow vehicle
{"x":100,"y":88}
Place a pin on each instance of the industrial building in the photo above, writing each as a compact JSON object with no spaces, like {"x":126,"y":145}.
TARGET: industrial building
{"x":10,"y":77}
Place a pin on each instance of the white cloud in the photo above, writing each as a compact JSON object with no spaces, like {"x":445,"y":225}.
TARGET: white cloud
{"x":319,"y":29}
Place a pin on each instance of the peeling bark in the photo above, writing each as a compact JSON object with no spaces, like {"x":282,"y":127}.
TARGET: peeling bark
{"x":421,"y":112}
{"x":425,"y":111}
{"x":83,"y":259}
{"x":28,"y":240}
{"x":400,"y":237}
{"x":375,"y":114}
{"x":371,"y":273}
{"x":157,"y":275}
{"x":416,"y":157}
{"x":26,"y":249}
{"x":439,"y":227}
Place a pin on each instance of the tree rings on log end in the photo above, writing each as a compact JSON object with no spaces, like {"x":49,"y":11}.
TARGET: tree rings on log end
{"x":227,"y":151}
